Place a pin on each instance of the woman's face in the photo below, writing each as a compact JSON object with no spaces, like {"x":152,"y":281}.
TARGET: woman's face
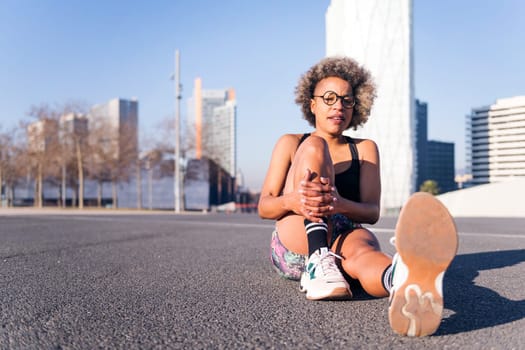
{"x":333,"y":105}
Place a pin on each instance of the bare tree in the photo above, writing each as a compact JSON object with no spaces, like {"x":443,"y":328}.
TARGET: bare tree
{"x":165,"y":142}
{"x":149,"y":160}
{"x":113,"y":153}
{"x":103,"y":148}
{"x":128,"y":157}
{"x":43,"y":147}
{"x":74,"y":147}
{"x":145,"y":162}
{"x":14,"y":162}
{"x":6,"y":150}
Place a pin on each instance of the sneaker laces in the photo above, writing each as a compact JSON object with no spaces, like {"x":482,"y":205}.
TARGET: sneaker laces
{"x":328,"y":265}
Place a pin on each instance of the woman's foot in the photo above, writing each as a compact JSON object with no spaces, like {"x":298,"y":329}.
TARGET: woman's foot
{"x":426,"y":242}
{"x":322,"y":278}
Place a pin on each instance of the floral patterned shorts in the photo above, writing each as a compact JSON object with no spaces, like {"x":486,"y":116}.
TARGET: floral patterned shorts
{"x":289,"y":264}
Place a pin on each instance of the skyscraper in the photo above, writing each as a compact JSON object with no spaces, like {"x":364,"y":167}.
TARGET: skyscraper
{"x":378,"y":34}
{"x":496,"y":141}
{"x":435,"y":159}
{"x":421,"y":142}
{"x":210,"y":175}
{"x":215,"y":116}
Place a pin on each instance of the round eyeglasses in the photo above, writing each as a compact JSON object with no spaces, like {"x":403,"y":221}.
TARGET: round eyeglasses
{"x":330,"y":98}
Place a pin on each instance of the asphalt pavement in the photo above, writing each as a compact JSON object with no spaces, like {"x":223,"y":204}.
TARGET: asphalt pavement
{"x":136,"y":280}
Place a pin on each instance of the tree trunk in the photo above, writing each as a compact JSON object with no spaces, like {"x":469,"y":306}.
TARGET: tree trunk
{"x":150,"y":188}
{"x":10,"y":196}
{"x":80,"y":176}
{"x":35,"y":193}
{"x":139,"y":186}
{"x":73,"y":199}
{"x":59,"y":199}
{"x":63,"y":185}
{"x":38,"y":187}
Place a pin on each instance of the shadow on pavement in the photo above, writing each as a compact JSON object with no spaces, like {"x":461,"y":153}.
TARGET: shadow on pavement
{"x":475,"y":306}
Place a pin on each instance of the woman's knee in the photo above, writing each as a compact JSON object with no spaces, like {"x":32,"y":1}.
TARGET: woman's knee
{"x":313,"y":154}
{"x":313,"y":145}
{"x":352,"y":247}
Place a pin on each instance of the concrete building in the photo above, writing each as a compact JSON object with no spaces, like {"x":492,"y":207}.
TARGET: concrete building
{"x":378,"y":34}
{"x":42,"y":135}
{"x":73,"y":124}
{"x":496,"y":141}
{"x":114,"y":125}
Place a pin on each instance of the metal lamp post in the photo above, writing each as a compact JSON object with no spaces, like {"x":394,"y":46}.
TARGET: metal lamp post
{"x":178,"y":97}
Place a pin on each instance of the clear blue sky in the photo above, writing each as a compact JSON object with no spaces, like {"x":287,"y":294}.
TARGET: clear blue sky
{"x":468,"y":53}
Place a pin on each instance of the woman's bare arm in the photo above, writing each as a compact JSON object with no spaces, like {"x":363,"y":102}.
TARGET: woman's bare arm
{"x":272,"y":203}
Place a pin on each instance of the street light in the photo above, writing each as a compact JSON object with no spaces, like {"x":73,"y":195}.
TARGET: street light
{"x":178,"y":97}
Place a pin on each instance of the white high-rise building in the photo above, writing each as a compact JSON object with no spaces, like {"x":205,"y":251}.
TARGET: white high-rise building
{"x":214,"y":113}
{"x":378,"y":34}
{"x":223,"y":135}
{"x":42,"y":135}
{"x":496,"y":141}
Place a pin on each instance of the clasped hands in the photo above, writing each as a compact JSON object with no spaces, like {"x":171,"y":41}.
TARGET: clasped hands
{"x":318,"y":199}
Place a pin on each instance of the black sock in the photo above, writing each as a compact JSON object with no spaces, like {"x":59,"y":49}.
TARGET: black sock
{"x":386,"y":279}
{"x":317,"y":234}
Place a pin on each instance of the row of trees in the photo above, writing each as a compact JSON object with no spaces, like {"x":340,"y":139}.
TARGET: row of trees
{"x":62,"y":147}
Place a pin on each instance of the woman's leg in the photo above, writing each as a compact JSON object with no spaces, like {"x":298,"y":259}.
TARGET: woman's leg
{"x":312,"y":154}
{"x":363,"y":260}
{"x":322,"y":278}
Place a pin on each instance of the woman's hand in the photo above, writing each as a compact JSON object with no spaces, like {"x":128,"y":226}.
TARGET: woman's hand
{"x":317,"y":198}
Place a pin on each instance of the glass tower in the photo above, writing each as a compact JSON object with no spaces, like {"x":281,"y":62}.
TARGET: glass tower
{"x":421,"y":142}
{"x":378,"y":34}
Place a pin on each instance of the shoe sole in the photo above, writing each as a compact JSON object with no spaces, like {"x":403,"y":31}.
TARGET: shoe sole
{"x":427,"y":242}
{"x":335,"y":294}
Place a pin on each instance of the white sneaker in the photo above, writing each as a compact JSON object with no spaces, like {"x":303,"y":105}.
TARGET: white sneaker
{"x":322,"y":278}
{"x":426,"y":242}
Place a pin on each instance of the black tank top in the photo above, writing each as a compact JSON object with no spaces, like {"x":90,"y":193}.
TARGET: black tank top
{"x":347,"y":182}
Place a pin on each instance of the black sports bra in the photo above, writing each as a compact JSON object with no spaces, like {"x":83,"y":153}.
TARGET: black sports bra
{"x":347,"y":182}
